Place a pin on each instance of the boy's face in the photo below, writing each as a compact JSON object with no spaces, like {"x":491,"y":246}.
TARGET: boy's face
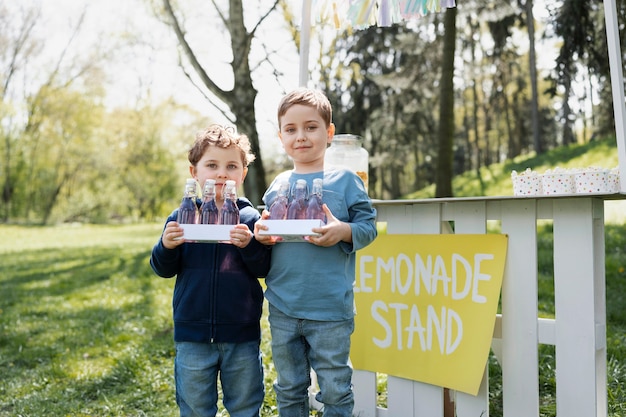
{"x":220,"y":164}
{"x":305,"y":136}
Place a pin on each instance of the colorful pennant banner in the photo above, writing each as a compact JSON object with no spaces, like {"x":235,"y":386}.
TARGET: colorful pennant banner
{"x":364,"y":13}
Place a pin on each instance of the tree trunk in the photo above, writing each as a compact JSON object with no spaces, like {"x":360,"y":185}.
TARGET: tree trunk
{"x":444,"y":174}
{"x":530,"y":24}
{"x":240,"y":100}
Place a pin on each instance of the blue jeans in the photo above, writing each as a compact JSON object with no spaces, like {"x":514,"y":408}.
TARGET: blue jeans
{"x":299,"y":345}
{"x":196,"y":369}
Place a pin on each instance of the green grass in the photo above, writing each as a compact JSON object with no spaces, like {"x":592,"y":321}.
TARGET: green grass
{"x":86,"y":325}
{"x":495,"y":180}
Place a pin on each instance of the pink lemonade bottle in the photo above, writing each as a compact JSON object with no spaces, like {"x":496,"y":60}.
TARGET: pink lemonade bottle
{"x":188,"y":211}
{"x":208,"y":210}
{"x":278,"y":209}
{"x":314,"y":208}
{"x":297,"y":206}
{"x":229,"y":214}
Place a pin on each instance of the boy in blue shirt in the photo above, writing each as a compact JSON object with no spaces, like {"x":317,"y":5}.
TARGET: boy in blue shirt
{"x":310,"y":285}
{"x":217,"y":297}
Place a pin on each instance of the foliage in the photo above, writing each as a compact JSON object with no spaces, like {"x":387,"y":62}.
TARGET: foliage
{"x":383,"y":83}
{"x":370,"y":78}
{"x":495,"y":179}
{"x":67,"y":157}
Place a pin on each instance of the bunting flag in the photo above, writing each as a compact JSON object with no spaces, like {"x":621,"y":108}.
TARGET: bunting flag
{"x":363,"y":13}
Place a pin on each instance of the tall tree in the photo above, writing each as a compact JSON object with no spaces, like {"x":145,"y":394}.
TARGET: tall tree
{"x":240,"y":99}
{"x":17,"y":46}
{"x":575,"y":25}
{"x":532,"y":65}
{"x":444,"y":170}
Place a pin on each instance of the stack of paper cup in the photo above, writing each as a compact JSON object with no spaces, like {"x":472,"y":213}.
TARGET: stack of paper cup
{"x":614,"y":180}
{"x":593,"y":180}
{"x":558,"y":182}
{"x":526,"y":183}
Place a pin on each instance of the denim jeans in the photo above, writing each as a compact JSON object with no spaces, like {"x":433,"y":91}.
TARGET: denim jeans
{"x":239,"y":366}
{"x":299,"y":345}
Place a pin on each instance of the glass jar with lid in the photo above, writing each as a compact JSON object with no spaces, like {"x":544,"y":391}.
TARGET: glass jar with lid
{"x":346,"y":151}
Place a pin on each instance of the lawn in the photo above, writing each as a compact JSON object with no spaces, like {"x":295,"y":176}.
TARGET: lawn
{"x":86,"y":326}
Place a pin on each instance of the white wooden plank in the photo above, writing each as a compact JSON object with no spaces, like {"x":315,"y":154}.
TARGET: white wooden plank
{"x":426,"y":219}
{"x":403,"y":219}
{"x":471,"y":218}
{"x":599,"y":286}
{"x":496,"y":342}
{"x":519,"y":311}
{"x":408,"y":398}
{"x":404,"y":395}
{"x":400,"y":397}
{"x":428,"y":399}
{"x":471,"y":406}
{"x":577,"y":261}
{"x":547,"y":331}
{"x":364,"y":388}
{"x":397,"y":218}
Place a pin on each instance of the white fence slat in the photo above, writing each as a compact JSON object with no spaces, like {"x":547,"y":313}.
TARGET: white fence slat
{"x":474,"y":406}
{"x":398,"y":218}
{"x":427,"y":400}
{"x":409,"y":398}
{"x":426,"y":219}
{"x":400,"y":396}
{"x":417,"y":219}
{"x":547,"y":331}
{"x":364,"y":383}
{"x":617,"y":82}
{"x":471,"y":218}
{"x":577,"y":286}
{"x":519,"y":361}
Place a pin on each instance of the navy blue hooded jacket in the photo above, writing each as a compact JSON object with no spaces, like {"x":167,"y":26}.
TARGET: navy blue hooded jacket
{"x":217,"y":296}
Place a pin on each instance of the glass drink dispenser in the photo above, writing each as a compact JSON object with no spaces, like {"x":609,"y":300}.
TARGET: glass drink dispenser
{"x":346,"y":151}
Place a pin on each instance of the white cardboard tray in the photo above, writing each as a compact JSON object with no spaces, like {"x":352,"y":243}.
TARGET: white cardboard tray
{"x":291,"y":230}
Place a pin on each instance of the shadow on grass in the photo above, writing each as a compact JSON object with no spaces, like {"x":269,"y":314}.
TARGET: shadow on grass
{"x":85,"y":331}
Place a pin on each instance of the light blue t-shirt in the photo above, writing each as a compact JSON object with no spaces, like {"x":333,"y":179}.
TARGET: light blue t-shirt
{"x":316,"y":283}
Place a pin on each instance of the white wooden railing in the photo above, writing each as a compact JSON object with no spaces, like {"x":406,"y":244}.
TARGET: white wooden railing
{"x":578,"y":330}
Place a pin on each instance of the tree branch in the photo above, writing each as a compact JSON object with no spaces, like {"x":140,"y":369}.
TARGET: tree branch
{"x":206,"y":80}
{"x":226,"y":114}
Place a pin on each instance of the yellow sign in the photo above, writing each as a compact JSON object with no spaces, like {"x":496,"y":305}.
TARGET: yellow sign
{"x":426,"y":307}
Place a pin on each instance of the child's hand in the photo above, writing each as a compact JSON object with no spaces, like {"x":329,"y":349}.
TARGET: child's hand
{"x":172,"y":235}
{"x":240,"y":236}
{"x":264,"y":239}
{"x":333,"y":232}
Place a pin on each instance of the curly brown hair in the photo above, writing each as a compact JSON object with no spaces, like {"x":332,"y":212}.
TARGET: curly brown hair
{"x":222,"y":137}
